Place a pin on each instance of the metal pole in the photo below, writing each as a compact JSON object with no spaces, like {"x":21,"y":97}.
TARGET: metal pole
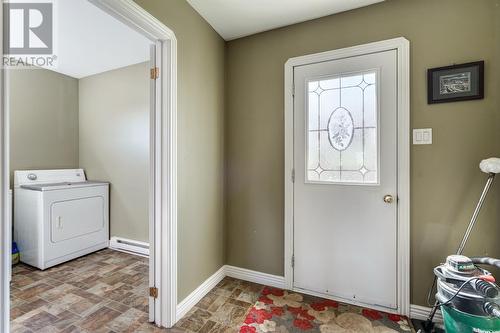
{"x":428,"y":323}
{"x":476,"y":213}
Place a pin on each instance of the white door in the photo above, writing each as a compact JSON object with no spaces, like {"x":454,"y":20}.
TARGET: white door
{"x":345,"y":162}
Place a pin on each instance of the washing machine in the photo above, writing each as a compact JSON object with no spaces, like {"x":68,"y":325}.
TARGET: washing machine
{"x":59,"y":215}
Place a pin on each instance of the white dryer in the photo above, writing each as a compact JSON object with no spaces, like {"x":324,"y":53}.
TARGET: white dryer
{"x":59,"y":216}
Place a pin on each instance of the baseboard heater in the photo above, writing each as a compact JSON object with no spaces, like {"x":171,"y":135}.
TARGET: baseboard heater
{"x":129,"y":246}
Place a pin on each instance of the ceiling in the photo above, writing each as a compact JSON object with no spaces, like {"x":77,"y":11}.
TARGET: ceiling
{"x":238,"y":18}
{"x":89,"y":41}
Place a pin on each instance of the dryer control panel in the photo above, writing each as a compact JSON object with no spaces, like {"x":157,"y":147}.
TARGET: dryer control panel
{"x":32,"y":177}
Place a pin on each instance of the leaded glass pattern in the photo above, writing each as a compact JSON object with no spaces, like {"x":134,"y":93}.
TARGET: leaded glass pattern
{"x":342,"y":129}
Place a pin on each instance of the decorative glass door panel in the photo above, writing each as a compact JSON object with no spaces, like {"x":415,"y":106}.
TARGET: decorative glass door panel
{"x":342,"y":129}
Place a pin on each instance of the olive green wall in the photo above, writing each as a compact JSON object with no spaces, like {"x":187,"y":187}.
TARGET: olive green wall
{"x":445,"y":179}
{"x":114,"y":143}
{"x":496,"y":67}
{"x":200,"y":142}
{"x":43,"y":108}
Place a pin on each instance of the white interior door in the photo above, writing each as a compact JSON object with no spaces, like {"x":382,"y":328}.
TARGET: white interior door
{"x":345,"y":163}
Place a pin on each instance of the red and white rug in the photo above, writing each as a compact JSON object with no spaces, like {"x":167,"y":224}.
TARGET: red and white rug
{"x":287,"y":312}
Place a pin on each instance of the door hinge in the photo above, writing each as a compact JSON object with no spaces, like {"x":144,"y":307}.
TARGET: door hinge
{"x":293,"y":175}
{"x":293,"y":89}
{"x":153,"y":292}
{"x":155,"y":73}
{"x":293,"y":260}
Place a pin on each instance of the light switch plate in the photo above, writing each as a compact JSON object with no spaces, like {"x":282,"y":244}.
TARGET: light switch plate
{"x":422,"y":136}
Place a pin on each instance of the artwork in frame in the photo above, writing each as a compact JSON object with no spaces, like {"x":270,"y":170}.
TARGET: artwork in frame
{"x":456,"y":83}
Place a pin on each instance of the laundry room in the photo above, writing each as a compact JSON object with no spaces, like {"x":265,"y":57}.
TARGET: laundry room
{"x":80,"y":175}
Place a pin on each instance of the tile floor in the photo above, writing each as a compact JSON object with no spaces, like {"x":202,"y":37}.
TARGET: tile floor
{"x":102,"y":292}
{"x":107,"y":292}
{"x":223,"y":309}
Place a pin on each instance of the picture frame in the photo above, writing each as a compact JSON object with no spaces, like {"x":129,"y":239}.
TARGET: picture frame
{"x":455,"y":83}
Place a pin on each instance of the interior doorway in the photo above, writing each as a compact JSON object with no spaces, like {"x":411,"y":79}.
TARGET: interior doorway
{"x":80,"y":167}
{"x":162,"y":208}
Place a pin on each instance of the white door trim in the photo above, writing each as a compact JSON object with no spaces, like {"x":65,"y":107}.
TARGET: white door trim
{"x":4,"y":190}
{"x":402,"y":45}
{"x":165,"y":166}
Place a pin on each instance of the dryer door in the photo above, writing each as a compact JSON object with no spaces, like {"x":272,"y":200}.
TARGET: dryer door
{"x":76,"y":217}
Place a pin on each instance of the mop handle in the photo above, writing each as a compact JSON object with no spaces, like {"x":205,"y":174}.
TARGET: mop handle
{"x":476,"y":213}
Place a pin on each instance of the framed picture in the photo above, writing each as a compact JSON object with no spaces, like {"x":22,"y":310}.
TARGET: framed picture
{"x":456,"y":83}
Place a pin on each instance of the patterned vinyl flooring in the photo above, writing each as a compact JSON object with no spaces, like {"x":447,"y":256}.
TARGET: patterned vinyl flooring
{"x":106,"y":292}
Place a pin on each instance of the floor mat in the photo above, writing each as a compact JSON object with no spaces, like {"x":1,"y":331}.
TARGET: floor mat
{"x":286,"y":312}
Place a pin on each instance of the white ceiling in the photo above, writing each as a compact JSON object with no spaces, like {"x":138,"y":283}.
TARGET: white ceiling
{"x":89,"y":41}
{"x":238,"y":18}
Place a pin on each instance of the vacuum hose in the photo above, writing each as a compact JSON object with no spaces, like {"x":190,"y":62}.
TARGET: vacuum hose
{"x":492,"y":309}
{"x":486,"y":261}
{"x":485,"y":288}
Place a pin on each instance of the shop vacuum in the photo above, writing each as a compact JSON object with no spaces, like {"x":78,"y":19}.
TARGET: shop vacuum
{"x":467,"y":294}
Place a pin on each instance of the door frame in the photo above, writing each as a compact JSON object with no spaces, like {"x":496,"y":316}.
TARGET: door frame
{"x":5,"y":256}
{"x":402,"y":46}
{"x":163,"y":164}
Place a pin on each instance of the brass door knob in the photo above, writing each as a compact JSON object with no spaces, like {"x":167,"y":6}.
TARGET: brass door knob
{"x":388,"y":199}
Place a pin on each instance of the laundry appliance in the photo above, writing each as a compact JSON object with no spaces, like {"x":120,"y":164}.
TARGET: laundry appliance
{"x":59,"y":215}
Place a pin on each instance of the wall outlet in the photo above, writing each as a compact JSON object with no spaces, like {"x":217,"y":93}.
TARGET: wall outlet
{"x":422,"y":136}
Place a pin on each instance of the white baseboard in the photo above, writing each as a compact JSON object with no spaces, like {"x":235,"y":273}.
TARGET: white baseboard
{"x":235,"y":272}
{"x":130,"y":246}
{"x":416,"y":311}
{"x":422,"y":312}
{"x":200,"y":292}
{"x":255,"y":277}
